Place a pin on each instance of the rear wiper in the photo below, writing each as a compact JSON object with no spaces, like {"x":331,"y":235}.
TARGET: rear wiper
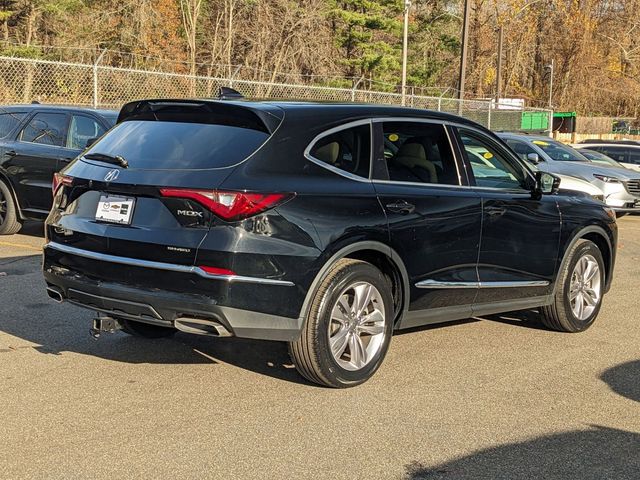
{"x":103,"y":157}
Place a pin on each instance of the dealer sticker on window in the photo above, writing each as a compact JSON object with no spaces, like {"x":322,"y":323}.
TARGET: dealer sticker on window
{"x":115,"y":209}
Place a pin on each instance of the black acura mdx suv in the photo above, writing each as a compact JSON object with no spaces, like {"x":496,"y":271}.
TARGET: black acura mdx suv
{"x":327,"y":226}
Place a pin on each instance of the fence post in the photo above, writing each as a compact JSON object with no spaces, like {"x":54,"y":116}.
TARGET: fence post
{"x":95,"y":78}
{"x":489,"y":117}
{"x":355,"y":87}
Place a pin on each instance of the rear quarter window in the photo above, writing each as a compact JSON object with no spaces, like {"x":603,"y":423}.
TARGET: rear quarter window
{"x":348,"y":150}
{"x":162,"y":145}
{"x":9,"y":121}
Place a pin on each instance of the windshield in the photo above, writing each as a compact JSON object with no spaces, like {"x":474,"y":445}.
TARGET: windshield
{"x":600,"y":158}
{"x":160,"y":145}
{"x":559,"y":152}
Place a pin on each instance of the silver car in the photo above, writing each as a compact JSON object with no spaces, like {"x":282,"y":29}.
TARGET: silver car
{"x":621,"y":186}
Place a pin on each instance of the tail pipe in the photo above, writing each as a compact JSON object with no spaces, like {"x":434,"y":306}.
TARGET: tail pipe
{"x":55,"y":294}
{"x":201,"y":326}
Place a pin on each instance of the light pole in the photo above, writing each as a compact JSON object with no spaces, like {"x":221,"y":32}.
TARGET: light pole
{"x":550,"y":67}
{"x":463,"y":55}
{"x":405,"y":41}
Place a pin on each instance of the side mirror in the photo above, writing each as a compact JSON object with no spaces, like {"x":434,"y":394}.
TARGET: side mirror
{"x":91,"y":141}
{"x":546,"y":184}
{"x":533,"y":158}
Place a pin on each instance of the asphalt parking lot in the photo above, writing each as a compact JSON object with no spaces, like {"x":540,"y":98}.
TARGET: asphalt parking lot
{"x":477,"y":399}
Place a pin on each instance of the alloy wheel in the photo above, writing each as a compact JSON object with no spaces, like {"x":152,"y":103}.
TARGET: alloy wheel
{"x":3,"y":208}
{"x":585,"y":289}
{"x":357,"y":327}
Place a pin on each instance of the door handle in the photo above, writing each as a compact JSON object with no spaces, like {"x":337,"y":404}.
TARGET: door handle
{"x":495,"y":211}
{"x":65,"y":159}
{"x":11,"y":153}
{"x":401,"y":206}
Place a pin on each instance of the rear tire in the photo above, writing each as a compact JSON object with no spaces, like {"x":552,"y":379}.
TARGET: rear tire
{"x":9,"y":220}
{"x":145,"y":330}
{"x":349,"y":326}
{"x":579,"y":292}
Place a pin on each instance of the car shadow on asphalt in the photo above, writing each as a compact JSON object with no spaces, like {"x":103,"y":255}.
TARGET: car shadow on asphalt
{"x":26,"y":312}
{"x":594,"y":453}
{"x":521,"y":318}
{"x":624,"y":379}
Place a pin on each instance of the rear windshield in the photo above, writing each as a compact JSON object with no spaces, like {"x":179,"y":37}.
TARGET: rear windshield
{"x":161,"y":145}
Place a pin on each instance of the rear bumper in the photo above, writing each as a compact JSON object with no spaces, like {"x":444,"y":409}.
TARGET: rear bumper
{"x":162,"y":306}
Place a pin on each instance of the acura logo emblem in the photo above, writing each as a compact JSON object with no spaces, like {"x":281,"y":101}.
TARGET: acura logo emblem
{"x":112,"y":175}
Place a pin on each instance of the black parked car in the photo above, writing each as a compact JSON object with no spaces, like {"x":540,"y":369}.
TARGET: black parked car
{"x":35,"y":142}
{"x":325,"y":226}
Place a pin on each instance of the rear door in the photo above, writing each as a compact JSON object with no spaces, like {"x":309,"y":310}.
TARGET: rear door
{"x":434,"y":218}
{"x":520,"y":234}
{"x":35,"y":158}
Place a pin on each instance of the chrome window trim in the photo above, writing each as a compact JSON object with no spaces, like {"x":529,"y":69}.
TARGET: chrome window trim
{"x":339,"y":128}
{"x":423,"y":184}
{"x":437,"y":284}
{"x":134,"y":262}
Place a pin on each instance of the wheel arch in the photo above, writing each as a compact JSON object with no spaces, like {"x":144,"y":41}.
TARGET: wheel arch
{"x":4,"y":178}
{"x":383,"y":257}
{"x":597,"y":235}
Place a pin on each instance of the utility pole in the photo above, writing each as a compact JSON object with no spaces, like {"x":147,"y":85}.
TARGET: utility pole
{"x":499,"y":68}
{"x":405,"y":42}
{"x":463,"y":56}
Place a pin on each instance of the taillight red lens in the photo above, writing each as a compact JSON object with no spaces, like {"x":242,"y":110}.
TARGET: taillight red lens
{"x":60,"y":180}
{"x":230,"y":206}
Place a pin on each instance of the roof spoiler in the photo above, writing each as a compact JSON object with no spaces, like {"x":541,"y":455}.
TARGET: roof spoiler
{"x":202,"y":111}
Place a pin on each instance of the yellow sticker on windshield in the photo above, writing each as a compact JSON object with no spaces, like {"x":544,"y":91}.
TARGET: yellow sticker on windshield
{"x":542,"y":143}
{"x":488,"y":155}
{"x":393,"y":137}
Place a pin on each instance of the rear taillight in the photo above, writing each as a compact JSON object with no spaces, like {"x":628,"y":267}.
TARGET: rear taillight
{"x":230,"y":206}
{"x":60,"y":180}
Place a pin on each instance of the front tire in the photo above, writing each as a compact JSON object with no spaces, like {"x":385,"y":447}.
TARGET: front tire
{"x":9,"y":220}
{"x":578,"y":297}
{"x":349,"y":326}
{"x":145,"y":330}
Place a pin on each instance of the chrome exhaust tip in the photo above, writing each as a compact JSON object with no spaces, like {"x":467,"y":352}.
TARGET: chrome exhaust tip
{"x":55,"y":294}
{"x":201,"y":326}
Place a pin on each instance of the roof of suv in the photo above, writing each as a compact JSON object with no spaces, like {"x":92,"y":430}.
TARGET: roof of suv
{"x":337,"y":109}
{"x":596,"y":141}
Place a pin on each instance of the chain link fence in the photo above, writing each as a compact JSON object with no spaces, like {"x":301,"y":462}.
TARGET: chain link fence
{"x":25,"y":80}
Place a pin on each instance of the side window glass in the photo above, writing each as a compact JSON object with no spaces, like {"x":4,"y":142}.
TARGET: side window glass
{"x":634,"y":157}
{"x":520,"y":148}
{"x":81,"y":130}
{"x":419,"y":152}
{"x":46,"y":129}
{"x":348,"y":150}
{"x":490,"y":167}
{"x":9,"y":121}
{"x":617,"y":153}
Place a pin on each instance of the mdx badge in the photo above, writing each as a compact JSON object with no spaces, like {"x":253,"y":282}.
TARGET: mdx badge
{"x":190,"y":213}
{"x":112,"y":175}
